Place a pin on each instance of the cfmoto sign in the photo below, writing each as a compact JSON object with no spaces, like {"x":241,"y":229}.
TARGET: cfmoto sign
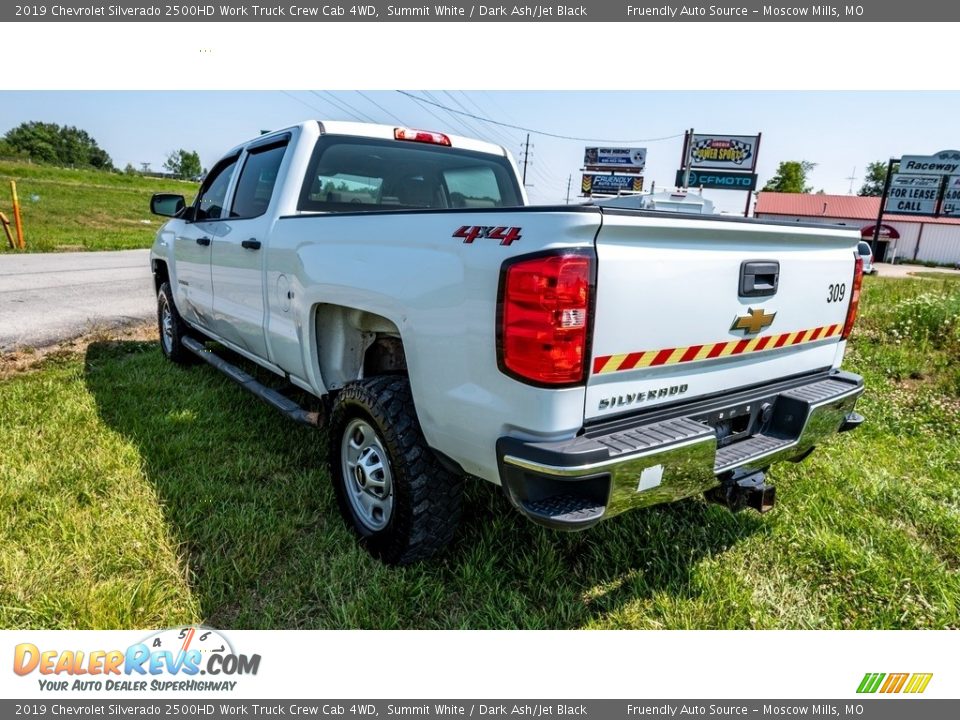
{"x":718,"y":180}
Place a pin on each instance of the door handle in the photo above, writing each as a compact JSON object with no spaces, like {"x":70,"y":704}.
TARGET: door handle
{"x":251,"y":244}
{"x":203,"y":241}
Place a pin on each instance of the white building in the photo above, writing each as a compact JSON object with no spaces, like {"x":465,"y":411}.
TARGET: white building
{"x":906,"y":237}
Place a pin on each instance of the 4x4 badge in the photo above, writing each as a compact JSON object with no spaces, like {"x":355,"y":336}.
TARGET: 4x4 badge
{"x":755,"y":321}
{"x":506,"y":235}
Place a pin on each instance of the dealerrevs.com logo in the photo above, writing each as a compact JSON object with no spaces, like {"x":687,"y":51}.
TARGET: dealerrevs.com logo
{"x":172,"y":659}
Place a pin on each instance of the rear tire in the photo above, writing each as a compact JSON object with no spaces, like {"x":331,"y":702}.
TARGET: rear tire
{"x":172,"y":328}
{"x":392,"y":491}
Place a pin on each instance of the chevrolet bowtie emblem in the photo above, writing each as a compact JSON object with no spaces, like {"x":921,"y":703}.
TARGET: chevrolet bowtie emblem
{"x":754,"y":321}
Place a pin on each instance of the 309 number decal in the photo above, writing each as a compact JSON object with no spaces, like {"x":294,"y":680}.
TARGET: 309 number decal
{"x":836,"y":292}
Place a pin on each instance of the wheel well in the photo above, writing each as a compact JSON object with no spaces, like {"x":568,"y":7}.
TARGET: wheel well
{"x":353,"y":343}
{"x":385,"y":356}
{"x":160,"y":274}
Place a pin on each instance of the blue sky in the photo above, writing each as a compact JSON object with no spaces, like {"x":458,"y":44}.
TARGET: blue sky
{"x":838,"y":130}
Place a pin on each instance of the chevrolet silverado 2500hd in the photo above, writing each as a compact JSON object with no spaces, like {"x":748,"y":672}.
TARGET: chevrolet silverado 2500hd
{"x":587,"y":359}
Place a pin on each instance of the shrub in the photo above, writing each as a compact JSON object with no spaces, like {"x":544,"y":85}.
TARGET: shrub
{"x":927,"y":319}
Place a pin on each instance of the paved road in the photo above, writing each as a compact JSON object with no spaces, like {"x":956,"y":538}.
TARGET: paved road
{"x":888,"y":270}
{"x":46,"y":297}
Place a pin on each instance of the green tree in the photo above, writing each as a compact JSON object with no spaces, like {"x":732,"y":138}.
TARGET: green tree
{"x":184,"y":163}
{"x":57,"y":145}
{"x":876,"y":176}
{"x":791,"y":177}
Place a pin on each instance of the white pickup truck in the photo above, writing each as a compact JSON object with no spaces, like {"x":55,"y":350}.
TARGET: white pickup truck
{"x":588,"y":360}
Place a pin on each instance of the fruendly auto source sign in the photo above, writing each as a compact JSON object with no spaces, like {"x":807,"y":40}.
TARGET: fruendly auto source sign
{"x":724,"y":152}
{"x":610,"y":184}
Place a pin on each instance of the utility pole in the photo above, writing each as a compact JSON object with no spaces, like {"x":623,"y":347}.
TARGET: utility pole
{"x":569,"y":179}
{"x":852,"y":178}
{"x":526,"y":154}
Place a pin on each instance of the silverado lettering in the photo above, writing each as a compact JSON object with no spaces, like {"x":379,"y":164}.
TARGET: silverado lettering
{"x":639,"y":397}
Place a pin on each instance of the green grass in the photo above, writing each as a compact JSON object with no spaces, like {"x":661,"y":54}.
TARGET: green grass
{"x":140,"y":494}
{"x":65,"y":209}
{"x":954,"y":277}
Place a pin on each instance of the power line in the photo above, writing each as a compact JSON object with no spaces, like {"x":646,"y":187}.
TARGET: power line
{"x":422,"y":106}
{"x":532,"y":130}
{"x":343,"y":106}
{"x":374,"y":102}
{"x":303,"y":102}
{"x":350,"y":107}
{"x":504,"y":139}
{"x":462,"y":127}
{"x":339,"y":111}
{"x":494,"y":134}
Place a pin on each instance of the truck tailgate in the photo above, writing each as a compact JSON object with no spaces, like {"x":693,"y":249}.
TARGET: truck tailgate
{"x":671,"y":323}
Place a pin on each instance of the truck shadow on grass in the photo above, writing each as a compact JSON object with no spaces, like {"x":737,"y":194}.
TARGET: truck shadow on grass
{"x":247,"y":495}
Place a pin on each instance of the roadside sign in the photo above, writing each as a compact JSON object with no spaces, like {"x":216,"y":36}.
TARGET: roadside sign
{"x":619,"y":158}
{"x":913,"y":194}
{"x":951,"y":197}
{"x":945,"y":162}
{"x":724,"y":152}
{"x":719,"y":180}
{"x":610,"y":184}
{"x":886,"y":232}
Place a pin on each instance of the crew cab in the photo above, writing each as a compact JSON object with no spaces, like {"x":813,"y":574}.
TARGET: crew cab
{"x":587,"y":359}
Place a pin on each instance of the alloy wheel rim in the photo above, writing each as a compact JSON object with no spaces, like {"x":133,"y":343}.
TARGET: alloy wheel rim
{"x":166,"y":325}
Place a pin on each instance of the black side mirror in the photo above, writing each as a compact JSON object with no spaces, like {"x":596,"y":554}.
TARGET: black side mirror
{"x":167,"y":204}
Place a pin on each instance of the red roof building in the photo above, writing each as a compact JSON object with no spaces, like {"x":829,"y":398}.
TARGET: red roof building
{"x":909,"y":237}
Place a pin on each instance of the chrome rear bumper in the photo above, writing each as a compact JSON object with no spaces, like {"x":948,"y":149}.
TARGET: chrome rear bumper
{"x":627,"y":464}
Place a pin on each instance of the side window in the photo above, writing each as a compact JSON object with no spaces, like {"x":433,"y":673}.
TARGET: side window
{"x":257,"y":180}
{"x":214,"y":190}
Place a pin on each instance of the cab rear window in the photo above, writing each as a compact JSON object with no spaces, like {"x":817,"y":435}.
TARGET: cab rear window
{"x":358,"y":174}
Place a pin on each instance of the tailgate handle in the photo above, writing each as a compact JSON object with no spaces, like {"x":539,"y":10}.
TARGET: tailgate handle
{"x":759,"y":278}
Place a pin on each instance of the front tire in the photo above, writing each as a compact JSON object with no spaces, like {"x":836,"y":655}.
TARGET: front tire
{"x":392,"y":491}
{"x":172,"y":328}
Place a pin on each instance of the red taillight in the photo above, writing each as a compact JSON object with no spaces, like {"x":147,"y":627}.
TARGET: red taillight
{"x":854,"y":297}
{"x":545,"y":304}
{"x":423,"y":136}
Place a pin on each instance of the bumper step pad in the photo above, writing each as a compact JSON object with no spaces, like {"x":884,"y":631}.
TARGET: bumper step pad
{"x":746,"y":450}
{"x":565,"y":509}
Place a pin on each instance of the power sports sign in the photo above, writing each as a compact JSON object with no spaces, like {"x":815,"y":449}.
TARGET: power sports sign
{"x":723,"y":152}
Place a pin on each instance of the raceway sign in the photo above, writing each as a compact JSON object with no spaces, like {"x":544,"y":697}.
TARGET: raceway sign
{"x":945,"y":162}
